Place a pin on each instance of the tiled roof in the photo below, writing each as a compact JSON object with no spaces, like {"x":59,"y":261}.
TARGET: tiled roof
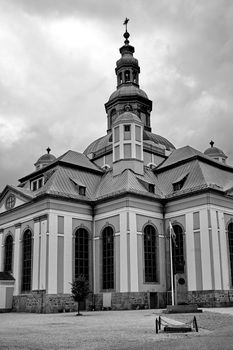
{"x":79,"y":159}
{"x":127,"y":181}
{"x":169,"y":177}
{"x":63,"y":183}
{"x":180,"y":154}
{"x":99,"y":144}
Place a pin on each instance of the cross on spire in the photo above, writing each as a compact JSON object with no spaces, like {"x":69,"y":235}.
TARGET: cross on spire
{"x":125,"y":23}
{"x":211,"y":143}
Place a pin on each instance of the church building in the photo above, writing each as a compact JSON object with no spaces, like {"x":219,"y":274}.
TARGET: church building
{"x":107,"y":214}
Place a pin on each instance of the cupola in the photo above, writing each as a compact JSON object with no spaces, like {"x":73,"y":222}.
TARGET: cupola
{"x":128,"y":92}
{"x":44,"y":160}
{"x":127,"y":143}
{"x":215,"y":153}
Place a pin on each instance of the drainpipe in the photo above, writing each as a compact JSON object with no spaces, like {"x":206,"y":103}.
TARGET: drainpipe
{"x":93,"y":256}
{"x":165,"y":238}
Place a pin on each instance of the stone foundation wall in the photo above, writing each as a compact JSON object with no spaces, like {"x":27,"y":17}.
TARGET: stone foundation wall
{"x":210,"y":298}
{"x":40,"y":302}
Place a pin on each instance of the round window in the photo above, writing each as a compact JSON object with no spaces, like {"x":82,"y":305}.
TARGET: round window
{"x":10,"y":202}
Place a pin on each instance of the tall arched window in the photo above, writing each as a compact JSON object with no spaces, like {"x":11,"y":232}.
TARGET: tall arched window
{"x":27,"y":261}
{"x":178,"y":250}
{"x":230,"y":242}
{"x":150,"y":254}
{"x":108,"y":258}
{"x":81,"y":253}
{"x":8,"y":254}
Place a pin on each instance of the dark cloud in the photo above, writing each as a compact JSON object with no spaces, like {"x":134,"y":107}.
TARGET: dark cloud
{"x":58,"y":58}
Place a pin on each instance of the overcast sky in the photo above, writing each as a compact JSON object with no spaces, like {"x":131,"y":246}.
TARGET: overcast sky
{"x":57,"y":66}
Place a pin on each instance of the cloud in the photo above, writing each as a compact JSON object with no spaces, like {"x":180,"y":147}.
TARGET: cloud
{"x":57,"y":70}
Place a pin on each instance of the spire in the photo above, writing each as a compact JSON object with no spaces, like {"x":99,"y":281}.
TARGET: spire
{"x":126,"y":35}
{"x":128,"y":93}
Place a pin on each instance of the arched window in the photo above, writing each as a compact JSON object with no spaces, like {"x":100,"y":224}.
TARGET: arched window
{"x":108,"y":258}
{"x":127,"y":76}
{"x":27,"y":261}
{"x":81,"y":253}
{"x":230,"y":242}
{"x":178,"y":250}
{"x":150,"y":254}
{"x":8,"y":254}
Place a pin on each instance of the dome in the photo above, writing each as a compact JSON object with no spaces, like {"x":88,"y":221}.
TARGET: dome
{"x":105,"y":143}
{"x":128,"y":90}
{"x":214,"y":152}
{"x":44,"y":160}
{"x":99,"y":144}
{"x":157,"y":140}
{"x":127,"y":117}
{"x":127,"y":60}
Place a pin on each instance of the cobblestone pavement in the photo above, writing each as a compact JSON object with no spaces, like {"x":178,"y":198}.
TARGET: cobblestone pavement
{"x":114,"y":330}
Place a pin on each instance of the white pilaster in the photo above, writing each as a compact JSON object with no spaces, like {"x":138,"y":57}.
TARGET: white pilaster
{"x":216,"y":257}
{"x":133,"y":253}
{"x":35,"y":271}
{"x":224,"y":245}
{"x":43,"y":253}
{"x":1,"y":251}
{"x":67,"y":253}
{"x":205,"y":250}
{"x":52,"y":255}
{"x":17,"y":260}
{"x":123,"y":253}
{"x":190,"y":253}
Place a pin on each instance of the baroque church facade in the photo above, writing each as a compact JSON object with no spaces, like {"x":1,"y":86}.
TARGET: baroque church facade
{"x":105,"y":213}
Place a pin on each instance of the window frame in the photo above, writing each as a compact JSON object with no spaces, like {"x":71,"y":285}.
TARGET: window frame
{"x":27,"y":255}
{"x":108,"y":258}
{"x":8,"y":256}
{"x":81,"y":253}
{"x":230,"y":250}
{"x":150,"y":246}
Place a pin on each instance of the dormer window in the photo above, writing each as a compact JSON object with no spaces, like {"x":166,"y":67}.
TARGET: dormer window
{"x":82,"y":190}
{"x":37,"y":184}
{"x":179,"y":183}
{"x":151,"y":188}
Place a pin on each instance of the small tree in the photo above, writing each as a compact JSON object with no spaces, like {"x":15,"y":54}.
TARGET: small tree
{"x":80,"y":290}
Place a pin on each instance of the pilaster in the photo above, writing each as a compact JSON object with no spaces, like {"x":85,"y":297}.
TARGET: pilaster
{"x":216,"y":250}
{"x":133,"y":253}
{"x":67,"y":253}
{"x":123,"y":253}
{"x":36,"y":250}
{"x":43,"y":252}
{"x":205,"y":250}
{"x":223,"y":243}
{"x":190,"y":253}
{"x":17,"y":260}
{"x":52,"y":254}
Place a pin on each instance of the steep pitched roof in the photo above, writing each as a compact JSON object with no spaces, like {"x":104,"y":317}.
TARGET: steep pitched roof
{"x":64,"y":182}
{"x":127,"y":181}
{"x":71,"y":158}
{"x":179,"y":155}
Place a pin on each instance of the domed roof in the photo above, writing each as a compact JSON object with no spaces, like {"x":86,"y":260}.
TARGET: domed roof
{"x":99,"y":144}
{"x":127,"y":117}
{"x":214,"y":151}
{"x":47,"y":158}
{"x":127,"y":59}
{"x":157,"y":139}
{"x":106,"y":141}
{"x":128,"y":90}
